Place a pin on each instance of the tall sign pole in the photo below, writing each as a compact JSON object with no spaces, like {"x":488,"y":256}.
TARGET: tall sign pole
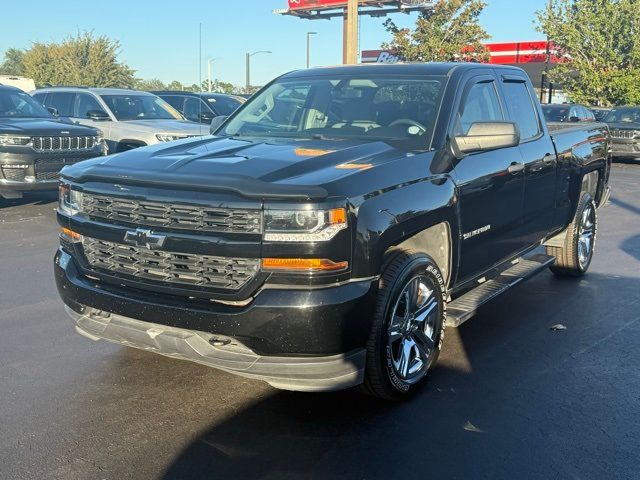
{"x":350,"y":31}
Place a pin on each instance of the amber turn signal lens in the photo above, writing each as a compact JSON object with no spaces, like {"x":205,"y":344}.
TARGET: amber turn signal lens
{"x":303,"y":264}
{"x":337,"y":215}
{"x":71,"y":235}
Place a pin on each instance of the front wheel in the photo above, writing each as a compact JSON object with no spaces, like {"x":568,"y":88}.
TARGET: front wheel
{"x":573,"y":259}
{"x":408,"y":326}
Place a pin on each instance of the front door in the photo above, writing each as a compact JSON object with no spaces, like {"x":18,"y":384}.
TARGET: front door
{"x":490,"y":185}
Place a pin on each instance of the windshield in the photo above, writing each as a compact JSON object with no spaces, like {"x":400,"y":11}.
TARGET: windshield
{"x":402,"y":110}
{"x":140,"y":107}
{"x":623,"y":115}
{"x":556,"y":113}
{"x":14,"y":104}
{"x":223,"y":105}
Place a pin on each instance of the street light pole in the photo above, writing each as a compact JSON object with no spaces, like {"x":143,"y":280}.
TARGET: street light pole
{"x":209,"y":73}
{"x":309,"y":47}
{"x":248,"y":67}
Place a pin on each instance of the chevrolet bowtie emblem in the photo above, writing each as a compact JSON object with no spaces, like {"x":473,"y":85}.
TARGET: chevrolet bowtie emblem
{"x":144,"y":238}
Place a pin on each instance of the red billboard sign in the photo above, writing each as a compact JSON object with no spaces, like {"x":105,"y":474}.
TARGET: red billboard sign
{"x":326,"y":4}
{"x":316,"y":4}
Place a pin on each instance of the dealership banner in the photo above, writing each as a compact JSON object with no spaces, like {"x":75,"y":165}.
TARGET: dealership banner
{"x":500,"y":53}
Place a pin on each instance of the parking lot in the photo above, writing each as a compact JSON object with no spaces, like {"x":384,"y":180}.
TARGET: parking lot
{"x":510,"y":397}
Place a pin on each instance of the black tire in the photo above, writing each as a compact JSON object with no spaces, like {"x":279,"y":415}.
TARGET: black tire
{"x":404,"y":269}
{"x":570,"y":258}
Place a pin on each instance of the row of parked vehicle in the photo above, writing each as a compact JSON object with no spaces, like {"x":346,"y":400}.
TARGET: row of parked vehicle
{"x":623,"y":122}
{"x":58,"y":126}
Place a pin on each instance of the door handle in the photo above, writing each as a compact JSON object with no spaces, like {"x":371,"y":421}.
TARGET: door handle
{"x":548,"y":159}
{"x":515,"y":168}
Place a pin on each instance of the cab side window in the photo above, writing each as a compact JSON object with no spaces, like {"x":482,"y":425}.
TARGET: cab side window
{"x":522,"y":108}
{"x":480,"y":105}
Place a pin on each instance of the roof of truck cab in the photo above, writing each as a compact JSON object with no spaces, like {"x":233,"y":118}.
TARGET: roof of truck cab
{"x":432,"y":68}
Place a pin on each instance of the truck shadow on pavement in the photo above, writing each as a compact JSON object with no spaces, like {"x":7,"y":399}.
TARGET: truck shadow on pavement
{"x":510,"y":395}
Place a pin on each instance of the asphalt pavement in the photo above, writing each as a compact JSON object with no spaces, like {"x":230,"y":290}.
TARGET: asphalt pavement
{"x":510,"y":398}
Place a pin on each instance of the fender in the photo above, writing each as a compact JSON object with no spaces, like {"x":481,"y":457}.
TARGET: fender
{"x":394,"y":216}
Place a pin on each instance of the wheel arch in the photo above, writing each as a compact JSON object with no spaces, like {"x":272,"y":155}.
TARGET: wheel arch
{"x":420,"y":217}
{"x":129,"y":142}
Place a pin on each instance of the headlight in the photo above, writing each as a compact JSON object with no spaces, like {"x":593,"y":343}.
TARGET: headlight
{"x":69,"y":200}
{"x":303,"y":225}
{"x":12,"y":140}
{"x":165,"y":137}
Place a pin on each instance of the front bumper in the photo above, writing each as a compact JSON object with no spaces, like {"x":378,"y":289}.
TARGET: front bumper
{"x":295,"y":339}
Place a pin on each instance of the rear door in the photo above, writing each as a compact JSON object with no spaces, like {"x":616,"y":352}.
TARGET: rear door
{"x":538,"y":154}
{"x":490,"y":184}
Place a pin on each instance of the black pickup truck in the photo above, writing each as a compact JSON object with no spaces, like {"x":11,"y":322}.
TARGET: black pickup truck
{"x":34,"y":145}
{"x":333,"y":226}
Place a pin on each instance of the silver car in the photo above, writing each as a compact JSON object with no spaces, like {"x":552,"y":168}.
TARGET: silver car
{"x":127,"y":118}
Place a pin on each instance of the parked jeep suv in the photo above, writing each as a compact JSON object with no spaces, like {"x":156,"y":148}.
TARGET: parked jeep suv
{"x":34,"y":145}
{"x":128,"y":118}
{"x":201,"y":107}
{"x":624,"y":124}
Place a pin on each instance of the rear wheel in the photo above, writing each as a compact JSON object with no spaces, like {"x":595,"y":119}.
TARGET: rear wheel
{"x":408,"y":326}
{"x":573,"y":259}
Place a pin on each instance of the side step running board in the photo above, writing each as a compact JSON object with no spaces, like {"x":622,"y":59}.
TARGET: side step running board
{"x":463,"y":308}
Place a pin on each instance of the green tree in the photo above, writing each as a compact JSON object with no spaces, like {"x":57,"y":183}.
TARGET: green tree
{"x":600,"y":40}
{"x":450,"y":32}
{"x":81,"y":60}
{"x":13,"y":63}
{"x":151,"y":84}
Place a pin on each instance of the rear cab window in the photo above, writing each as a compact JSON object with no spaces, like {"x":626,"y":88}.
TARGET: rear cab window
{"x":521,"y":106}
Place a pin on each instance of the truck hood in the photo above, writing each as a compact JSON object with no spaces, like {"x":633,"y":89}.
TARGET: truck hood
{"x":179,"y":127}
{"x":250,"y":167}
{"x":43,"y":127}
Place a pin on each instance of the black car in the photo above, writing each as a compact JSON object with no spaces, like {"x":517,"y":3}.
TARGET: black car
{"x":334,"y":224}
{"x":201,"y":107}
{"x":567,"y":112}
{"x":624,"y":125}
{"x":35,"y":145}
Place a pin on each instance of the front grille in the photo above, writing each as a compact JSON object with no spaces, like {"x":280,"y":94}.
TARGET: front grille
{"x":56,"y":144}
{"x":618,"y":133}
{"x":49,"y":168}
{"x":171,"y":216}
{"x":14,"y":174}
{"x":141,"y":264}
{"x":44,"y":176}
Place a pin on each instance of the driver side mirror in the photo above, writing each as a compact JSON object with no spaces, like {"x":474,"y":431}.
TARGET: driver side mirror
{"x":574,"y":119}
{"x":483,"y":136}
{"x":216,"y":122}
{"x":97,"y":115}
{"x":53,"y":111}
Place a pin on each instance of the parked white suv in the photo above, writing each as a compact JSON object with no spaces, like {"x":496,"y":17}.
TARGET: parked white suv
{"x":127,"y":118}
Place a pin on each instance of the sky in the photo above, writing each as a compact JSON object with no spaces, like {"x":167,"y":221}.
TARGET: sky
{"x":163,"y":42}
